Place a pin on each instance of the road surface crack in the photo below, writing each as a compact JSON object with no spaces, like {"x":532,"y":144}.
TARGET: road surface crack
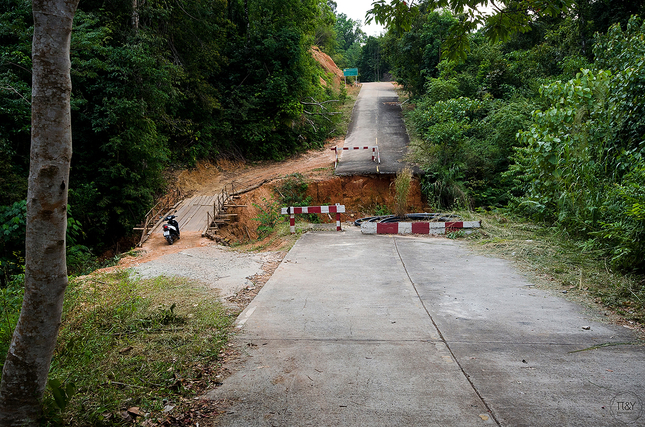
{"x":443,"y":339}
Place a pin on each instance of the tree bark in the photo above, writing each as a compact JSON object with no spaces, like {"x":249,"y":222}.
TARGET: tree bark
{"x":24,"y":375}
{"x":135,"y":15}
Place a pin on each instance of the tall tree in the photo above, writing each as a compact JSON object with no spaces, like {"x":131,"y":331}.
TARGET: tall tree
{"x":499,"y":18}
{"x":348,"y":31}
{"x":373,"y":63}
{"x":415,"y":54}
{"x":24,"y":375}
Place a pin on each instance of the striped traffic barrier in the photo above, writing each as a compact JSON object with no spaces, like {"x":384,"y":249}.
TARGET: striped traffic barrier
{"x":293,"y":210}
{"x":376,"y":155}
{"x":417,"y":227}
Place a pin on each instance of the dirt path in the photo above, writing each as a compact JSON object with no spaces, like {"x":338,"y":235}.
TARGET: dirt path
{"x":209,"y":179}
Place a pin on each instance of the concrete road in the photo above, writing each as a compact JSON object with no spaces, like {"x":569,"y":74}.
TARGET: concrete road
{"x":357,"y":330}
{"x":376,"y":120}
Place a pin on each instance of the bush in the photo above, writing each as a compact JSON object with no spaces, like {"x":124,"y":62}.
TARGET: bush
{"x":441,"y":90}
{"x":293,"y":191}
{"x":269,"y":215}
{"x":402,"y":189}
{"x":582,"y":164}
{"x":623,"y":229}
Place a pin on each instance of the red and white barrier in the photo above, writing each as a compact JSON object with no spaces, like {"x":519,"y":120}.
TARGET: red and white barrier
{"x":337,"y":209}
{"x":376,"y":155}
{"x":417,"y":227}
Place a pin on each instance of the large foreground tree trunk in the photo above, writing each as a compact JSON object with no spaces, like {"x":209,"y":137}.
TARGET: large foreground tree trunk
{"x":24,"y":375}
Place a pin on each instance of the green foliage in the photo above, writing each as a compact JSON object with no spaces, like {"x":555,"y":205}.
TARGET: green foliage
{"x":446,"y":188}
{"x":445,"y":147}
{"x":622,"y":230}
{"x":372,"y":64}
{"x":468,"y":114}
{"x":582,"y":164}
{"x":414,"y":55}
{"x":381,"y":210}
{"x":402,"y":185}
{"x":325,"y":36}
{"x":272,"y":72}
{"x":621,"y":53}
{"x":124,"y":342}
{"x":348,"y":37}
{"x":441,"y":90}
{"x":507,"y":19}
{"x":12,"y":240}
{"x":269,"y":215}
{"x":456,"y":234}
{"x":565,"y":150}
{"x":15,"y":96}
{"x":492,"y":149}
{"x":293,"y":191}
{"x":119,"y":149}
{"x":11,"y":294}
{"x":56,"y":401}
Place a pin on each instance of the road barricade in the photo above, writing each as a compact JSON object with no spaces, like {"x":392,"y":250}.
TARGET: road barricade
{"x":376,"y":155}
{"x":292,"y":210}
{"x":418,"y":227}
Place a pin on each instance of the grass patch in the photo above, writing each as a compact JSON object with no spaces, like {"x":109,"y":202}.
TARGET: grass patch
{"x":128,"y":343}
{"x":557,"y":261}
{"x":278,"y":239}
{"x":379,"y":210}
{"x":347,"y":108}
{"x":402,"y":189}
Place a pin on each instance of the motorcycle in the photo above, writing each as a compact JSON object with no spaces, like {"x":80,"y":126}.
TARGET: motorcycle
{"x":171,"y":229}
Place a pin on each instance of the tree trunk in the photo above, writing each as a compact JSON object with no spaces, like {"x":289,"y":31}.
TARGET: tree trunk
{"x":24,"y":375}
{"x":135,"y":15}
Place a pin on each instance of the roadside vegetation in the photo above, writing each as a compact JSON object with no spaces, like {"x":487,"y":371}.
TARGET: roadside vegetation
{"x":132,"y":349}
{"x":401,"y":191}
{"x":289,"y":191}
{"x":541,"y":135}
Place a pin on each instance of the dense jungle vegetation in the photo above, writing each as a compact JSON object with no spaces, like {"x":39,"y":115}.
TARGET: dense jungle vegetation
{"x":159,"y":84}
{"x":549,"y":123}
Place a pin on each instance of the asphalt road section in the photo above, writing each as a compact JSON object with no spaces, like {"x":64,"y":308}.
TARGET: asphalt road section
{"x":376,"y":120}
{"x":356,"y":330}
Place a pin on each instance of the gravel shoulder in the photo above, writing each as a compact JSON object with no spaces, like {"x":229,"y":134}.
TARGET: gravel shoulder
{"x":223,"y":269}
{"x":235,"y":275}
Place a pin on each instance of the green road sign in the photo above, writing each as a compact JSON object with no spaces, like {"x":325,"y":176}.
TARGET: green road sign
{"x":348,"y":72}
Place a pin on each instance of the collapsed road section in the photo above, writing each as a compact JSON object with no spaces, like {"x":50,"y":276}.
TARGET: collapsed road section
{"x":376,"y":121}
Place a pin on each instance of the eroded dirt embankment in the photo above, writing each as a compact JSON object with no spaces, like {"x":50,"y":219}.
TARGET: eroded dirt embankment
{"x":361,"y":195}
